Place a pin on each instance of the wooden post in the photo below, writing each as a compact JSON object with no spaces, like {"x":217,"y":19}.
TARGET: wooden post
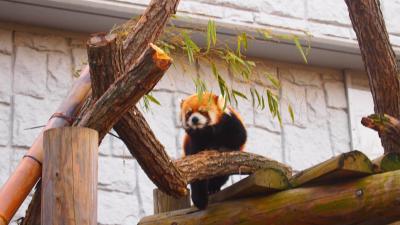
{"x":69,"y":176}
{"x":166,"y":203}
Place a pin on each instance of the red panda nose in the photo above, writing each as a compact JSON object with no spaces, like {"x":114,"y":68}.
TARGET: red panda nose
{"x":195,"y":120}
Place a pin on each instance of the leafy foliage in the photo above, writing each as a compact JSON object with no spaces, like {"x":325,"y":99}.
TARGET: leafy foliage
{"x":177,"y":40}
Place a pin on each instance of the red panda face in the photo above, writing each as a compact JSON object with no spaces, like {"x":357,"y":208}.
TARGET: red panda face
{"x":199,"y":112}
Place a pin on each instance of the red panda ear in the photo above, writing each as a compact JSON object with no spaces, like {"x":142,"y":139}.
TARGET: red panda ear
{"x":219,"y":101}
{"x":181,"y":102}
{"x":216,"y":97}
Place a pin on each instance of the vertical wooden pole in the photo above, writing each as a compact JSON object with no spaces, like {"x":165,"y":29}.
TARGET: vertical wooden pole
{"x":69,"y":178}
{"x":166,"y":203}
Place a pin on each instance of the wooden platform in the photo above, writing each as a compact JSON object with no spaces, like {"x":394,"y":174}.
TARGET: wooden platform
{"x":348,"y":184}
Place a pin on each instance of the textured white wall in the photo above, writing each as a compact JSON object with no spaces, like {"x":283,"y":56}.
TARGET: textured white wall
{"x":36,"y":72}
{"x":328,"y":19}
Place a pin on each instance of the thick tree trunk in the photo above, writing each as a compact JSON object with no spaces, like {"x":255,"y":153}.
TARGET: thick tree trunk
{"x":379,"y":60}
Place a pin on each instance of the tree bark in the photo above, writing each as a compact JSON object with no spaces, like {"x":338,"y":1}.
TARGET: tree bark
{"x":150,"y":154}
{"x":373,"y":199}
{"x":132,"y":127}
{"x":155,"y":18}
{"x":33,"y":213}
{"x":385,"y":125}
{"x":379,"y":60}
{"x":126,"y":91}
{"x":27,"y":173}
{"x":208,"y":164}
{"x":70,"y":176}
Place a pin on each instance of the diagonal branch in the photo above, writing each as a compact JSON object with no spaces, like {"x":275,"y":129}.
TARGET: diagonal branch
{"x":133,"y":128}
{"x":126,"y":91}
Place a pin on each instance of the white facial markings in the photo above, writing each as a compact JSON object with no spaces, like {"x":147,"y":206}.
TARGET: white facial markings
{"x":201,"y":121}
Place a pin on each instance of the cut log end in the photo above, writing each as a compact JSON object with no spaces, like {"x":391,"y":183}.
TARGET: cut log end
{"x":100,"y":39}
{"x":160,"y":58}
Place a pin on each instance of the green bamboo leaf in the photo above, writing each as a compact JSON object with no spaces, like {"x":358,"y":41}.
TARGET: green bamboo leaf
{"x":290,"y":109}
{"x":267,"y":35}
{"x":258,"y":97}
{"x":211,"y":34}
{"x":275,"y":82}
{"x":238,"y":93}
{"x":253,"y":100}
{"x":279,"y":118}
{"x":190,"y":47}
{"x":151,"y":98}
{"x":300,"y":48}
{"x":270,"y":103}
{"x":262,"y":103}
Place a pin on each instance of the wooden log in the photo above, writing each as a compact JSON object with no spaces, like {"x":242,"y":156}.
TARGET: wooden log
{"x":385,"y":125}
{"x":155,"y":20}
{"x":69,"y":179}
{"x":387,"y":162}
{"x":379,"y":60}
{"x":167,"y":203}
{"x":346,"y":165}
{"x":126,"y":91}
{"x":27,"y":173}
{"x":150,"y":153}
{"x":261,"y":182}
{"x":373,"y":199}
{"x":147,"y":30}
{"x":132,"y":127}
{"x":35,"y":215}
{"x":208,"y":164}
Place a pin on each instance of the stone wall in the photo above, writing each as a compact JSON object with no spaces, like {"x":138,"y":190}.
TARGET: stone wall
{"x":36,"y":71}
{"x":327,"y":19}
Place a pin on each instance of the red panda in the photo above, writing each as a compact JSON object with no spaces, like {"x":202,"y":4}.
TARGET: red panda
{"x":209,"y":125}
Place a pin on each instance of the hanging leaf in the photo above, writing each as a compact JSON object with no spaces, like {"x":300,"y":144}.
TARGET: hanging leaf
{"x":151,"y":98}
{"x":253,"y":100}
{"x":275,"y":82}
{"x":211,"y":34}
{"x":300,"y":48}
{"x":241,"y":42}
{"x":238,"y":93}
{"x":291,"y":113}
{"x":190,"y":47}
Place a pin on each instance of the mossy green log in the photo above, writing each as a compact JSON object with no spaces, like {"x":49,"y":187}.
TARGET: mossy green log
{"x":388,"y":162}
{"x":264,"y":181}
{"x":343,"y":166}
{"x":374,"y":199}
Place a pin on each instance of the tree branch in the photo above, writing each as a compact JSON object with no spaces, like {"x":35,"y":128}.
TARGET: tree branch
{"x":385,"y":125}
{"x":126,"y":91}
{"x":208,"y":164}
{"x":133,"y":128}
